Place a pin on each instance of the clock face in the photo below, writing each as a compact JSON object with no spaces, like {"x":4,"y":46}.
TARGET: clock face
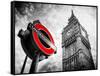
{"x":69,"y":32}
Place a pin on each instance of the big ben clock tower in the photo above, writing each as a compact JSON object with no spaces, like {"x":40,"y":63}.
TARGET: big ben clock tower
{"x":76,"y":47}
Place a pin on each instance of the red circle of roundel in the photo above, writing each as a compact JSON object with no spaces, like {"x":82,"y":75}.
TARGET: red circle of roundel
{"x":45,"y":50}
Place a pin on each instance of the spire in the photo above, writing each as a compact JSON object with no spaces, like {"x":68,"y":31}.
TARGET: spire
{"x":72,"y":13}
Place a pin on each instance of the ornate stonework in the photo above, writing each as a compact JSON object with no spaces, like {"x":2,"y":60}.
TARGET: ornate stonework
{"x":76,"y":47}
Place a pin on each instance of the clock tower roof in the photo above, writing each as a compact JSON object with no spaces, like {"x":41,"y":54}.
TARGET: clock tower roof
{"x":72,"y":13}
{"x":72,"y":16}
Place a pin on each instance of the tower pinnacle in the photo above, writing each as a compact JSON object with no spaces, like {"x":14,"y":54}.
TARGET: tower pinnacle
{"x":72,"y":13}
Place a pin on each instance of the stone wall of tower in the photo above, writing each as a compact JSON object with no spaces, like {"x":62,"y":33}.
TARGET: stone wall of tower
{"x":76,"y":47}
{"x":85,"y":60}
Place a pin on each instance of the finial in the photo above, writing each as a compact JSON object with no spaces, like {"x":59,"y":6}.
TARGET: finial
{"x":72,"y":13}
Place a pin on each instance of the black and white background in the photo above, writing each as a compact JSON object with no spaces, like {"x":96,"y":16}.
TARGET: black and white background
{"x":55,"y":18}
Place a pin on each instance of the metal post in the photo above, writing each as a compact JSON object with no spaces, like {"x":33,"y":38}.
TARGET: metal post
{"x":34,"y":64}
{"x":22,"y":70}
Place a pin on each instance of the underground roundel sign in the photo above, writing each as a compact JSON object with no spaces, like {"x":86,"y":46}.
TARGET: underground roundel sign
{"x":43,"y":39}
